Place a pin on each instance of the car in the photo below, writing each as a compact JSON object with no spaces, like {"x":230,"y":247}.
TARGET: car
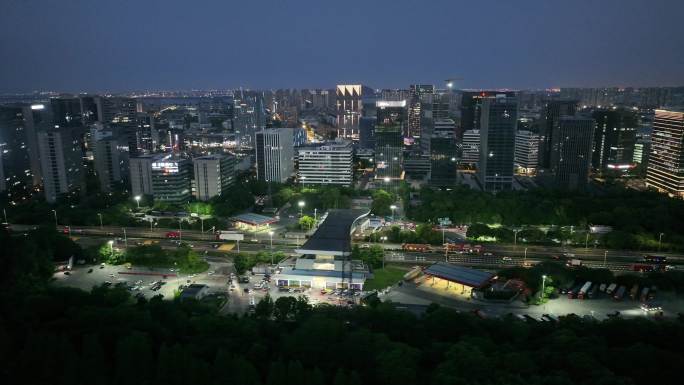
{"x":613,"y":315}
{"x":215,"y":246}
{"x":365,"y":246}
{"x":507,"y":259}
{"x":90,"y":270}
{"x":67,"y":273}
{"x":651,"y":306}
{"x":246,"y":290}
{"x":106,"y":284}
{"x":323,"y":292}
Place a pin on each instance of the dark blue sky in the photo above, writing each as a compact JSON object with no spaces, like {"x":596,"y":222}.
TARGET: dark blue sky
{"x":95,"y":45}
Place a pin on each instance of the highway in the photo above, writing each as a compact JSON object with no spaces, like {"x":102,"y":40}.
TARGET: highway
{"x":616,"y":260}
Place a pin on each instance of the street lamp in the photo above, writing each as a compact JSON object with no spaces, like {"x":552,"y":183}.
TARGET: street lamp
{"x":383,"y":239}
{"x":55,"y":213}
{"x":542,"y":290}
{"x":515,"y":236}
{"x":525,"y":258}
{"x":393,"y":207}
{"x":270,"y":234}
{"x":111,"y":246}
{"x":605,"y":256}
{"x":660,"y":239}
{"x":301,"y":207}
{"x":100,"y":215}
{"x":137,"y":200}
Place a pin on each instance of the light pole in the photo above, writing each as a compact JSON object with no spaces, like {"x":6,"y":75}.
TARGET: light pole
{"x":541,"y":295}
{"x":202,"y":222}
{"x":111,"y":247}
{"x":301,"y":208}
{"x":180,"y":230}
{"x":605,"y":257}
{"x":660,"y":239}
{"x":270,"y":234}
{"x":525,"y":258}
{"x":55,"y":213}
{"x":383,"y":239}
{"x":586,"y":241}
{"x":515,"y":236}
{"x":4,"y":212}
{"x":393,"y":207}
{"x":315,"y":216}
{"x":101,"y":225}
{"x":137,"y":200}
{"x":125,"y":237}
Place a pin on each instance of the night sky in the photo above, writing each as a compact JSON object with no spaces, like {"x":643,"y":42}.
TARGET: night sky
{"x":94,"y":45}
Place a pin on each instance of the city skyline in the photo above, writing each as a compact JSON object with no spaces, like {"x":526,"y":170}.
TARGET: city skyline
{"x":80,"y":47}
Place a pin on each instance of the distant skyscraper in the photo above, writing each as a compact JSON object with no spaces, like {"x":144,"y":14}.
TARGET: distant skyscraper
{"x":389,"y":148}
{"x":614,"y":138}
{"x":499,"y":119}
{"x":367,"y":132}
{"x":171,"y":180}
{"x":61,"y":159}
{"x":443,"y":153}
{"x":571,"y":152}
{"x":526,"y":151}
{"x":349,"y":108}
{"x":392,"y":112}
{"x":214,"y":174}
{"x":553,"y":111}
{"x":328,"y":163}
{"x":275,"y":154}
{"x":15,"y":149}
{"x":665,"y":170}
{"x":119,"y":113}
{"x":417,"y":93}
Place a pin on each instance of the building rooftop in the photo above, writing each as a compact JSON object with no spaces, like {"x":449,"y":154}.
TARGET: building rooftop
{"x":459,"y":274}
{"x":253,"y":219}
{"x":333,"y":235}
{"x":192,"y":291}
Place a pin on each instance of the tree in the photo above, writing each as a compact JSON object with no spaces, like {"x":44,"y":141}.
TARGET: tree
{"x":284,"y":308}
{"x":264,"y":308}
{"x":382,"y":200}
{"x":306,"y":222}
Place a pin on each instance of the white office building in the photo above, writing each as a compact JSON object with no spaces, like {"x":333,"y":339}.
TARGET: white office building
{"x":328,"y":163}
{"x":526,"y":151}
{"x":471,"y":147}
{"x":214,"y":174}
{"x":141,"y":174}
{"x":61,"y":161}
{"x":275,"y":154}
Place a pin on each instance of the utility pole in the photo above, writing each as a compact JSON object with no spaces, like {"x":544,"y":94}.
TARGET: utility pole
{"x":125,"y":237}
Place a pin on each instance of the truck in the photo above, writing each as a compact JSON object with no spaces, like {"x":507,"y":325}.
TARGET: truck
{"x":619,"y":293}
{"x":415,"y":272}
{"x":644,"y":294}
{"x":574,"y":263}
{"x":572,"y":293}
{"x":634,"y":291}
{"x":173,"y":235}
{"x":223,"y":235}
{"x":453,"y":247}
{"x":611,"y":288}
{"x":583,"y":291}
{"x":642,"y":267}
{"x":594,"y":291}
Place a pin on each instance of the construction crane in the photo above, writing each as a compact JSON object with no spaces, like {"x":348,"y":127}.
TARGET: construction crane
{"x":450,"y":82}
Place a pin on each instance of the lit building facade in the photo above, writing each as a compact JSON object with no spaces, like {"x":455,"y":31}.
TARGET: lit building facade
{"x":326,"y":164}
{"x":665,"y":170}
{"x":275,"y":154}
{"x":214,"y":174}
{"x":498,"y":122}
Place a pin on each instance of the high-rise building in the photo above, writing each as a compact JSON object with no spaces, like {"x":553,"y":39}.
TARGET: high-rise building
{"x":389,"y":148}
{"x":665,"y":170}
{"x":614,"y":139}
{"x":471,"y":106}
{"x":551,"y":114}
{"x":471,"y":147}
{"x":571,"y":151}
{"x":418,"y":93}
{"x":275,"y":154}
{"x":328,"y":163}
{"x":367,"y":132}
{"x":392,"y":112}
{"x":15,"y":150}
{"x":109,"y":162}
{"x":171,"y":180}
{"x":526,"y":151}
{"x":349,"y":108}
{"x":141,"y":174}
{"x":443,"y":153}
{"x":61,"y":160}
{"x":214,"y":174}
{"x":120,"y":114}
{"x":498,"y":122}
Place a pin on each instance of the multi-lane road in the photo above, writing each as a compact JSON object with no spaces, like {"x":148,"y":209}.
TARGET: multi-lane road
{"x":501,"y":255}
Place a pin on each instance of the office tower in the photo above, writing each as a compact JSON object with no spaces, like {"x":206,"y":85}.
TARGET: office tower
{"x":389,"y":148}
{"x":15,"y":151}
{"x":440,"y":105}
{"x":642,"y":149}
{"x":665,"y":170}
{"x":326,"y":164}
{"x":171,"y":180}
{"x":320,"y":99}
{"x":109,"y":162}
{"x":259,"y":112}
{"x":119,"y":113}
{"x":614,"y":139}
{"x":275,"y":154}
{"x":526,"y":151}
{"x":471,"y":147}
{"x":147,"y":133}
{"x":214,"y":174}
{"x":571,"y":152}
{"x":367,"y":132}
{"x":394,"y":95}
{"x":349,"y":108}
{"x":392,"y":112}
{"x":141,"y":174}
{"x":418,"y":94}
{"x":61,"y":160}
{"x":66,"y":111}
{"x":443,"y":153}
{"x":498,"y":122}
{"x":551,"y":114}
{"x":471,"y":106}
